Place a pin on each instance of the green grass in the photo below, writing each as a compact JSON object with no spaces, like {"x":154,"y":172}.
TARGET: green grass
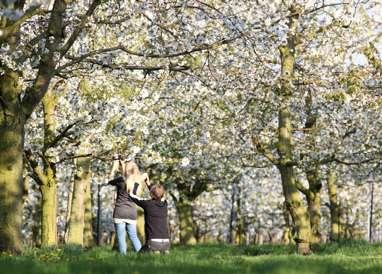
{"x":349,"y":258}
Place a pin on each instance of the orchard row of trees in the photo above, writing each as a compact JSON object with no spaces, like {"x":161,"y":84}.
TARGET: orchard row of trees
{"x":203,"y":95}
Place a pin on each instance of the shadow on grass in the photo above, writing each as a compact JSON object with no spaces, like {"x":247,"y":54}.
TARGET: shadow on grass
{"x":342,"y":258}
{"x":171,"y":265}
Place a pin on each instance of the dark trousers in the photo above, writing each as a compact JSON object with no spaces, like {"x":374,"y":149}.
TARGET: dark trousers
{"x":156,"y":247}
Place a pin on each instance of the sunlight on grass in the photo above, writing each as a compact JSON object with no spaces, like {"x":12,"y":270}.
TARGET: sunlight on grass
{"x":349,"y":258}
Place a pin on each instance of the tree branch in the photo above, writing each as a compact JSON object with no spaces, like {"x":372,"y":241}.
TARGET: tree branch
{"x":37,"y":173}
{"x":203,"y":47}
{"x":12,"y":29}
{"x":77,"y":31}
{"x":60,"y":136}
{"x":372,"y":55}
{"x":54,"y":35}
{"x":264,"y":151}
{"x":148,"y":69}
{"x":301,"y":187}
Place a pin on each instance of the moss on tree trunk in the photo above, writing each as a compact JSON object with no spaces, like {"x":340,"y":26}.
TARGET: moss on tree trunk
{"x":77,"y":214}
{"x":11,"y":189}
{"x":293,"y":199}
{"x":88,"y":217}
{"x":49,"y":214}
{"x":186,"y":222}
{"x":313,"y":197}
{"x":11,"y":162}
{"x":335,"y":221}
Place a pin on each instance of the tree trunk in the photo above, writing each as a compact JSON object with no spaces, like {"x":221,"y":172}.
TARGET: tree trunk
{"x":77,"y":214}
{"x":36,"y":226}
{"x":11,"y":162}
{"x":68,"y":209}
{"x":88,"y":218}
{"x":335,"y":224}
{"x":239,"y":229}
{"x":11,"y":189}
{"x":48,"y":185}
{"x":293,"y":199}
{"x":371,"y":212}
{"x":314,"y":208}
{"x":297,"y":210}
{"x":186,"y":222}
{"x":287,"y":237}
{"x":314,"y":204}
{"x":48,"y":214}
{"x":233,"y":215}
{"x":141,"y":224}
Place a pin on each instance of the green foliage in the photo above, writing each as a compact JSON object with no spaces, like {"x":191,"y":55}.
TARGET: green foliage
{"x":127,"y":92}
{"x":93,"y":94}
{"x":112,"y":123}
{"x":349,"y":258}
{"x":336,"y":96}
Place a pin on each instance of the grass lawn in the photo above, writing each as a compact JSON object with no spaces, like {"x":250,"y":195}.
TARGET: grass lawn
{"x":344,"y":258}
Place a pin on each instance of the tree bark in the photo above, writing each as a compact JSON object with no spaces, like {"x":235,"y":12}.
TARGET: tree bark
{"x":371,"y":212}
{"x":186,"y":222}
{"x":77,"y":214}
{"x":314,"y":204}
{"x":48,"y":187}
{"x":335,"y":223}
{"x":11,"y":162}
{"x":11,"y":189}
{"x":313,"y":193}
{"x":297,"y":210}
{"x":287,"y":237}
{"x":49,"y":214}
{"x":88,"y":217}
{"x":233,"y":215}
{"x":14,"y":112}
{"x":236,"y":228}
{"x":293,"y":199}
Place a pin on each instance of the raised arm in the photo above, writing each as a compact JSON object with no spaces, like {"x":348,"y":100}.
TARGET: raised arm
{"x":138,"y":200}
{"x":116,"y":182}
{"x":147,"y":180}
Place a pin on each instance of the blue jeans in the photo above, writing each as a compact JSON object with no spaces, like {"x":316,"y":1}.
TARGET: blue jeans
{"x":120,"y":229}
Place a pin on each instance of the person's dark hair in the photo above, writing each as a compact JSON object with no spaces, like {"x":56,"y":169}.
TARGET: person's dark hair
{"x":157,"y":192}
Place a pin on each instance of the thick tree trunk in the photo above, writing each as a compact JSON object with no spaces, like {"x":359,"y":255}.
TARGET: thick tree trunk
{"x":48,"y":185}
{"x":49,"y":214}
{"x":186,"y":222}
{"x":11,"y":162}
{"x":11,"y":189}
{"x":314,"y":204}
{"x":297,"y":210}
{"x":335,"y":224}
{"x":88,"y":218}
{"x":287,"y":237}
{"x":77,"y":214}
{"x":236,"y":228}
{"x":314,"y":208}
{"x":293,"y":199}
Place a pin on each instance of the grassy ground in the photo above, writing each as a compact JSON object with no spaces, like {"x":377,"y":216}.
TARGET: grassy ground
{"x":349,"y":258}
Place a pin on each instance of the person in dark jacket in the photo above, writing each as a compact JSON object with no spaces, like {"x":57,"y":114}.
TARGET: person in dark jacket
{"x":125,"y":216}
{"x":156,"y":224}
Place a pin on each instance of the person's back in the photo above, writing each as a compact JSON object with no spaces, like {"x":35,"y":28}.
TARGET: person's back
{"x":124,"y":216}
{"x":156,"y":223}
